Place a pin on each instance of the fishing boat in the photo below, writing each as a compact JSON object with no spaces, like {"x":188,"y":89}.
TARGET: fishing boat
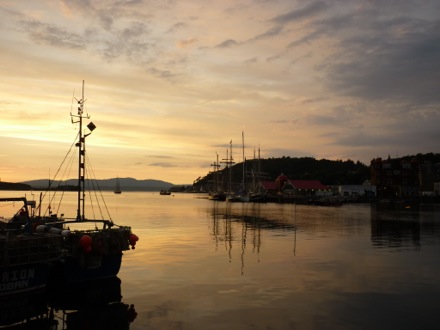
{"x":165,"y":192}
{"x":92,"y":248}
{"x":26,"y":257}
{"x":118,"y":187}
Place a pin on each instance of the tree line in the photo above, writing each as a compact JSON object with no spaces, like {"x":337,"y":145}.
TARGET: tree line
{"x":329,"y":172}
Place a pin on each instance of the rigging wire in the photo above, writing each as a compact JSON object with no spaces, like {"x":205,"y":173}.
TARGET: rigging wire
{"x":58,"y":170}
{"x":65,"y":177}
{"x":97,"y":189}
{"x":66,"y":168}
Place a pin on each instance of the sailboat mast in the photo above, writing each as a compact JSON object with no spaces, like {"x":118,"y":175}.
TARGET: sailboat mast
{"x":242,"y":140}
{"x":230,"y":167}
{"x":81,"y":159}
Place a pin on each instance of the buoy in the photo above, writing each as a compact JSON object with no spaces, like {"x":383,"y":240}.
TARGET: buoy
{"x":133,"y":239}
{"x":41,"y":229}
{"x":55,"y":231}
{"x":131,"y":314}
{"x":65,"y":233}
{"x":85,"y":241}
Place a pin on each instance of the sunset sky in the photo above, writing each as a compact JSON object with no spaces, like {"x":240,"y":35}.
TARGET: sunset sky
{"x":170,"y":83}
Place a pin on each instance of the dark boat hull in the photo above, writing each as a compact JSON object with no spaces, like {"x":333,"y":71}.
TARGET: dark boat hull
{"x":86,"y":268}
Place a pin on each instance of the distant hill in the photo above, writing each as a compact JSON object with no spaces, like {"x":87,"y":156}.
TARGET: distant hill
{"x":14,"y":186}
{"x":329,"y":172}
{"x":127,"y":184}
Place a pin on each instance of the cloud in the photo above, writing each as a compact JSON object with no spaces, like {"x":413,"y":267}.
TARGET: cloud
{"x":310,"y":10}
{"x":419,"y":134}
{"x":273,"y":31}
{"x":167,"y":165}
{"x":251,"y":60}
{"x":405,"y":69}
{"x":167,"y":74}
{"x":177,"y":26}
{"x":53,"y":35}
{"x":307,"y":38}
{"x":227,"y":43}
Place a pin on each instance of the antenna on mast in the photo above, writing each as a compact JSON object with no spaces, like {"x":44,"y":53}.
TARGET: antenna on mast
{"x":81,"y":144}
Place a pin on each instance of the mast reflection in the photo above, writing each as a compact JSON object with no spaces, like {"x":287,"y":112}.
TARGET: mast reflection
{"x":243,"y":223}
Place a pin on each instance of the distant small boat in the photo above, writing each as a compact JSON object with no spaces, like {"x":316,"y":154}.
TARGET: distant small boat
{"x":217,"y":196}
{"x":165,"y":192}
{"x":118,"y":187}
{"x":232,"y":198}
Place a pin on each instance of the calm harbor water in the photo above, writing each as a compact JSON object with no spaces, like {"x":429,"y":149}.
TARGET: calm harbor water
{"x":201,"y":264}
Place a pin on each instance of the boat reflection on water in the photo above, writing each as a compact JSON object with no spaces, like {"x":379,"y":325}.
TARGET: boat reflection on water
{"x":25,"y":311}
{"x":252,"y":216}
{"x":245,"y":224}
{"x":91,"y":305}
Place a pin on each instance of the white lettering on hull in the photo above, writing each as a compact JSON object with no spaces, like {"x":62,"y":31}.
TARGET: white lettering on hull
{"x":16,"y":279}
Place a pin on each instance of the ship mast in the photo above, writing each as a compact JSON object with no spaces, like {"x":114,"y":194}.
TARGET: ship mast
{"x":244,"y":161}
{"x":81,"y":154}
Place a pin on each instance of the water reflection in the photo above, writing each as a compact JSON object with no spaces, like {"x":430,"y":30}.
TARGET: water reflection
{"x":92,"y":305}
{"x":252,"y":215}
{"x":25,"y":309}
{"x":403,"y":229}
{"x":244,"y":223}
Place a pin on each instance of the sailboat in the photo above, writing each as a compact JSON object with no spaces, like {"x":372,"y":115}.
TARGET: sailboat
{"x":118,"y":186}
{"x":229,"y":161}
{"x":244,"y":197}
{"x":255,"y":193}
{"x":217,"y":193}
{"x":92,"y":248}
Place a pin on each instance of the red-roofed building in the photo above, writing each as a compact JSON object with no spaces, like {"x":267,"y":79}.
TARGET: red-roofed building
{"x":284,"y":186}
{"x":309,"y":185}
{"x":305,"y":188}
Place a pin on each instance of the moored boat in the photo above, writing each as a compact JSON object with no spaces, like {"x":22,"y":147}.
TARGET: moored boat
{"x":26,"y":257}
{"x":118,"y":187}
{"x":217,"y":196}
{"x":216,"y":193}
{"x":92,"y":248}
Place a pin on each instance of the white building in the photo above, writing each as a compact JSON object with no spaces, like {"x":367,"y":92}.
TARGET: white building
{"x":357,"y":190}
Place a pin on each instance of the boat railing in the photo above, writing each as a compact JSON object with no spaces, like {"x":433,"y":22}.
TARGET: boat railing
{"x":29,"y":249}
{"x":64,"y":221}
